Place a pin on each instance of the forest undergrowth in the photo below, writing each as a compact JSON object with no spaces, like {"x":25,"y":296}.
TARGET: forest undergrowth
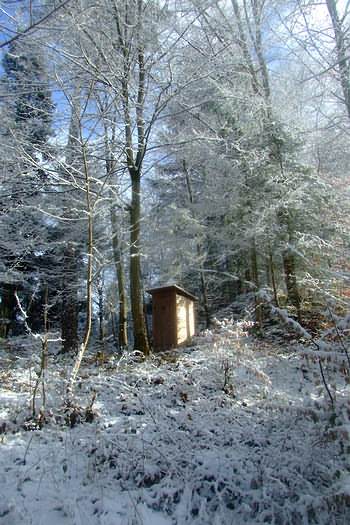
{"x":230,"y":430}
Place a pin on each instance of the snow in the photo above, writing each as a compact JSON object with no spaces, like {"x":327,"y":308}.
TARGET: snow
{"x":230,"y":430}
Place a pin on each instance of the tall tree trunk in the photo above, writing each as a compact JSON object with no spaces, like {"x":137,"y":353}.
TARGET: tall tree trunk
{"x":134,"y":127}
{"x":291,"y":281}
{"x":8,"y":306}
{"x":119,"y":269}
{"x":341,"y":35}
{"x":136,"y":291}
{"x":256,"y":281}
{"x":204,"y":291}
{"x":232,"y":286}
{"x":114,"y":323}
{"x":89,"y":273}
{"x":111,"y":165}
{"x":273,"y":277}
{"x":203,"y":281}
{"x":101,"y":313}
{"x":289,"y":264}
{"x":69,"y":303}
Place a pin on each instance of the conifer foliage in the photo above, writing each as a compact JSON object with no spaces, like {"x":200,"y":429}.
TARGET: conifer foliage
{"x":30,"y":103}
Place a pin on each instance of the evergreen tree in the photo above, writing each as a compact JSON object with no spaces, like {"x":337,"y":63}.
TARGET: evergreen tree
{"x":30,"y":105}
{"x":27,"y":125}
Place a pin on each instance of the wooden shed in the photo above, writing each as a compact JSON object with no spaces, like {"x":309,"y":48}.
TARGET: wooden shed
{"x":173,"y":316}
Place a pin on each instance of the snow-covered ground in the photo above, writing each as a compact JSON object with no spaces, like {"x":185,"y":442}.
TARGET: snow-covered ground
{"x":229,"y":431}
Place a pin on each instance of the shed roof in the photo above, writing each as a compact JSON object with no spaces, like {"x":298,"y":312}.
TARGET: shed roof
{"x":168,"y":288}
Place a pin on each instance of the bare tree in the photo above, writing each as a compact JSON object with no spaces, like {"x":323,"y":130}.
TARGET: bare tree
{"x":342,"y":51}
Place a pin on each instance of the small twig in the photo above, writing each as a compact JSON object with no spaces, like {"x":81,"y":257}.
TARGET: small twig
{"x":325,"y":382}
{"x":27,"y":449}
{"x":34,"y":25}
{"x":341,"y":341}
{"x":44,"y":339}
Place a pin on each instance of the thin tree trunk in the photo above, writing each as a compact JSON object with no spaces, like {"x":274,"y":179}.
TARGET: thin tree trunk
{"x":291,"y":281}
{"x":203,"y":281}
{"x":111,"y":164}
{"x":342,"y":52}
{"x":288,"y":258}
{"x":204,"y":290}
{"x":114,"y":323}
{"x":273,"y":277}
{"x":101,"y":334}
{"x":89,"y":276}
{"x":43,"y":358}
{"x":119,"y":269}
{"x":245,"y":48}
{"x":256,"y":281}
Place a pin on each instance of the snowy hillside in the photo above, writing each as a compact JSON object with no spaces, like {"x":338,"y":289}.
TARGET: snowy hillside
{"x":228,"y":431}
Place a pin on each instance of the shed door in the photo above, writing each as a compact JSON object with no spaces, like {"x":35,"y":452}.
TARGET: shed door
{"x":163,"y":321}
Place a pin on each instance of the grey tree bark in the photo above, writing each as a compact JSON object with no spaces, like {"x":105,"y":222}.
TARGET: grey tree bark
{"x":134,"y":159}
{"x":342,"y":52}
{"x":69,"y":303}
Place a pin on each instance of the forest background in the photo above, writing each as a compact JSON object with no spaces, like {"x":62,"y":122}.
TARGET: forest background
{"x":197,"y":142}
{"x":145,"y":142}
